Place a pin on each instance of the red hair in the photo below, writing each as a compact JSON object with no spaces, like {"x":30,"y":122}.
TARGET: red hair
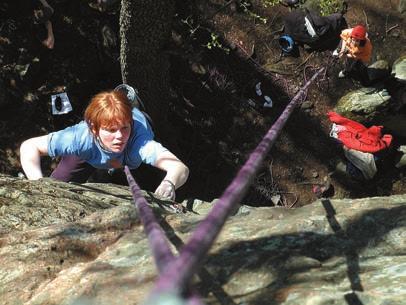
{"x":107,"y":109}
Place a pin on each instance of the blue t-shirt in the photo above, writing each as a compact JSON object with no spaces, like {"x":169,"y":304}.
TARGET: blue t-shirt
{"x":78,"y":140}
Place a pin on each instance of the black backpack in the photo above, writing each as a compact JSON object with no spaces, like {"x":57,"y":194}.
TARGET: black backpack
{"x":318,"y":33}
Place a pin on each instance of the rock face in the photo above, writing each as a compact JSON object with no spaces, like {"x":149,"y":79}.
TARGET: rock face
{"x":83,"y":244}
{"x":399,"y":69}
{"x":363,"y":104}
{"x":379,"y":70}
{"x":402,"y":6}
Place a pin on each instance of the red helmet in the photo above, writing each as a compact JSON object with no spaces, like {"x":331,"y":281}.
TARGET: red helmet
{"x":359,"y":32}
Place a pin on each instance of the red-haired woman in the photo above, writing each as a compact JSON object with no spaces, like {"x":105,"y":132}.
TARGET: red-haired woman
{"x":113,"y":134}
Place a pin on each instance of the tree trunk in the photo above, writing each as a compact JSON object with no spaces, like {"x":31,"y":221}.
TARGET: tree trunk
{"x":145,"y":27}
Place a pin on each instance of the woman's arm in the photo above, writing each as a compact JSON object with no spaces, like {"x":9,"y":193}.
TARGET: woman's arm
{"x":31,"y":151}
{"x":176,"y":174}
{"x":176,"y":171}
{"x":343,"y":48}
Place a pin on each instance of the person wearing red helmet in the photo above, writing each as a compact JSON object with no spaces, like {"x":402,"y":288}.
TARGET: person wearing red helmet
{"x":357,"y":49}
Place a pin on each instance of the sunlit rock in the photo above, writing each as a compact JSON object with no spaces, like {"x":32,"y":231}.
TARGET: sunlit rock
{"x":399,"y":69}
{"x":363,"y":104}
{"x":63,"y":243}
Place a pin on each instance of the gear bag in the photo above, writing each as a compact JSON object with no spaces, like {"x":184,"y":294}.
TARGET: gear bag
{"x":319,"y":33}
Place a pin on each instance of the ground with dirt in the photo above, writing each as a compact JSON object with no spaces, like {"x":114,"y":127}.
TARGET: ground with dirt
{"x":212,"y":81}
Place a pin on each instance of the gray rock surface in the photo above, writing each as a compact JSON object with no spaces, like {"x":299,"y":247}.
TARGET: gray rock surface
{"x":83,"y":244}
{"x":379,"y":70}
{"x":363,"y":104}
{"x":399,"y":69}
{"x":402,"y":161}
{"x":402,"y":6}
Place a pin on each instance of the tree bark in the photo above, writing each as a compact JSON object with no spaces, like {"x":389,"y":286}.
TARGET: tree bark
{"x":145,"y":27}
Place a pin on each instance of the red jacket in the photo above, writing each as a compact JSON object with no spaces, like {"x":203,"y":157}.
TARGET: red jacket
{"x":359,"y":137}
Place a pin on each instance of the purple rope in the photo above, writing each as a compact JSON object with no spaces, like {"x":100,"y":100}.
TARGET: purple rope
{"x":156,"y":237}
{"x":179,"y":273}
{"x":194,"y":300}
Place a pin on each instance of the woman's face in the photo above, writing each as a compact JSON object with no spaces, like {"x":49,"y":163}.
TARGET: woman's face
{"x":355,"y":42}
{"x":114,"y":138}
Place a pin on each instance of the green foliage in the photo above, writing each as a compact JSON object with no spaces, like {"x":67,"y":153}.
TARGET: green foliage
{"x":215,"y":43}
{"x":270,"y":3}
{"x":328,"y":7}
{"x":245,"y":5}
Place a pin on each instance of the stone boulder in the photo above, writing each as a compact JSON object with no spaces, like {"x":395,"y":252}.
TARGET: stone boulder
{"x":83,"y":244}
{"x":399,"y":69}
{"x":402,"y":6}
{"x":379,"y":70}
{"x":402,"y":159}
{"x":363,"y":104}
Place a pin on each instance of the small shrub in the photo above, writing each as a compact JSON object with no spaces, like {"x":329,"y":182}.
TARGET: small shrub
{"x":246,"y":6}
{"x":270,"y":3}
{"x":328,"y":7}
{"x":215,"y":43}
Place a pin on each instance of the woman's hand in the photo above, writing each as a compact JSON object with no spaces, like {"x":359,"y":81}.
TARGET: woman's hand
{"x":176,"y":174}
{"x":166,"y":190}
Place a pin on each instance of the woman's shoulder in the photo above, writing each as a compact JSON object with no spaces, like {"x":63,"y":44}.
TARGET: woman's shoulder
{"x":78,"y":128}
{"x":78,"y":133}
{"x":76,"y":139}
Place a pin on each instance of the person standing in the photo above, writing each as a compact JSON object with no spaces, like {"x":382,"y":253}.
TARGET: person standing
{"x":42,"y":13}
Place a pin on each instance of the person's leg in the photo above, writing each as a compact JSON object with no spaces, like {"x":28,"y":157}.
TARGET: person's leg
{"x":350,"y":64}
{"x":337,"y":50}
{"x":348,"y":70}
{"x":72,"y":169}
{"x":361,"y":71}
